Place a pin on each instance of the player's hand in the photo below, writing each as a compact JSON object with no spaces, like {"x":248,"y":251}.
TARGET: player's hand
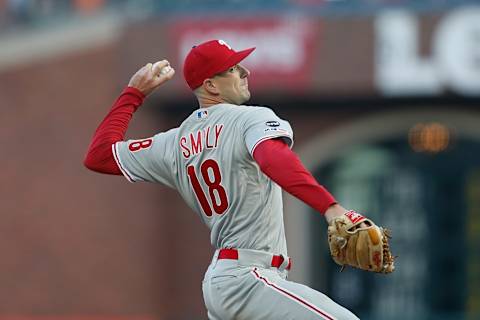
{"x":151,"y":76}
{"x":334,"y":211}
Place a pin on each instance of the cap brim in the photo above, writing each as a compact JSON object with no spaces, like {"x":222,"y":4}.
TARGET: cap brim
{"x":236,"y":58}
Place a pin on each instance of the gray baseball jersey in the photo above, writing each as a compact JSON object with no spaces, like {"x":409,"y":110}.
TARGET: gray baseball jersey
{"x":208,"y":159}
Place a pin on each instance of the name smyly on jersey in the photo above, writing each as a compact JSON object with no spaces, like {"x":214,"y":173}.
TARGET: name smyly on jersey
{"x":204,"y":139}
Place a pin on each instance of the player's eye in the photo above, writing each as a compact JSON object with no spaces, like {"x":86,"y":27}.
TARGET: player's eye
{"x":230,"y":70}
{"x":234,"y":68}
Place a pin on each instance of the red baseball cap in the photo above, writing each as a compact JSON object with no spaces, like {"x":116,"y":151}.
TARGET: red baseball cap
{"x":209,"y":58}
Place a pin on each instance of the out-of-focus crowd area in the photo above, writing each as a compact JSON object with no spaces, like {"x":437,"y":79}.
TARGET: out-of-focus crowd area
{"x":32,"y":13}
{"x":20,"y":14}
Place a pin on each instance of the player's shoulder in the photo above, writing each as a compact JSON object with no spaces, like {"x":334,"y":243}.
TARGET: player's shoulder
{"x":257,"y":107}
{"x":257,"y":112}
{"x":254,"y":109}
{"x":169,"y":134}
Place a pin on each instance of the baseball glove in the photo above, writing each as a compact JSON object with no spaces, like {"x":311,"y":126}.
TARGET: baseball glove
{"x":357,"y":242}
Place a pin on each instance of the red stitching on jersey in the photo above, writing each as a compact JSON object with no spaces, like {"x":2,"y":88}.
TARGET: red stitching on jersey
{"x":323,"y":314}
{"x":117,"y":160}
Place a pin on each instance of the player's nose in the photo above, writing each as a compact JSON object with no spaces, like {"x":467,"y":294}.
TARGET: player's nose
{"x":244,"y":72}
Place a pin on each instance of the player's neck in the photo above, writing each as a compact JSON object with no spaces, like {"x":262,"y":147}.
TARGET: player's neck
{"x":206,"y":102}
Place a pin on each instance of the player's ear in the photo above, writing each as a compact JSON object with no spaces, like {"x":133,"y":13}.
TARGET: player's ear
{"x":210,"y":86}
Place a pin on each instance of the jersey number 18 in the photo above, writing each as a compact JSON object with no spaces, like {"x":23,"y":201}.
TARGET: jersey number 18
{"x":220,"y":204}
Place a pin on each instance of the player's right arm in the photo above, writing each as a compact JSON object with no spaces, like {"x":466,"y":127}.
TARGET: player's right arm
{"x":283,"y":166}
{"x":112,"y":129}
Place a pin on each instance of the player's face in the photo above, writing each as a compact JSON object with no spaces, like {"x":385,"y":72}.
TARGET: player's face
{"x":233,"y":84}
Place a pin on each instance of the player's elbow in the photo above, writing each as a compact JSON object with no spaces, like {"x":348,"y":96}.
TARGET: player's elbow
{"x":97,"y":167}
{"x":92,"y":162}
{"x":89,"y":163}
{"x":101,"y":163}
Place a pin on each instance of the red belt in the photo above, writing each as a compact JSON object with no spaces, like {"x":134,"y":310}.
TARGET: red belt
{"x":233,"y":254}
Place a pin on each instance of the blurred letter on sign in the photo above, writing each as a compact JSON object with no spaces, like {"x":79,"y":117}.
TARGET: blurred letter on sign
{"x":455,"y":59}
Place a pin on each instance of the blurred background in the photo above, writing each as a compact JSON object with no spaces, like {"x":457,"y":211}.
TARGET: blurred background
{"x":383,"y":96}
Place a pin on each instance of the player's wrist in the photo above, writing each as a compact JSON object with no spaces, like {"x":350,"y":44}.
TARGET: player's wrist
{"x":134,"y":91}
{"x":131,"y":97}
{"x":334,"y":211}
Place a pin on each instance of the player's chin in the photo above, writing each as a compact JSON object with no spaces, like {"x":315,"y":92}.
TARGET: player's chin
{"x":245,"y":96}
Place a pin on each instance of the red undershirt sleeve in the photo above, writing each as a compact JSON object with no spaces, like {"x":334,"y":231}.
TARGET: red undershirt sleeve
{"x":99,"y":155}
{"x":284,"y":167}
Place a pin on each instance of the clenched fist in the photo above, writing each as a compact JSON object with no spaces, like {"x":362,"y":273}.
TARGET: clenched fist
{"x":151,"y":76}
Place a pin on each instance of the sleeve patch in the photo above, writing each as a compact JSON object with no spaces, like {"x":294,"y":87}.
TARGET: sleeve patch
{"x":272,"y":123}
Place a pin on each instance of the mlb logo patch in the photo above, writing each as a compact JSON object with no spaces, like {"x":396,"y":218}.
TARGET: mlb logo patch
{"x":202,"y":114}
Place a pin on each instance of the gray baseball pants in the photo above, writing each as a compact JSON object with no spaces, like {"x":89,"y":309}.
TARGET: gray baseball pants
{"x":250,"y":289}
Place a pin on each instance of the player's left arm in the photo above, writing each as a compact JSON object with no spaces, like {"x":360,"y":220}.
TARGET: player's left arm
{"x":112,"y":129}
{"x":99,"y":155}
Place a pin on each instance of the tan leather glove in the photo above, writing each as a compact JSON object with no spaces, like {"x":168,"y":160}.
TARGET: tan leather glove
{"x":357,"y":242}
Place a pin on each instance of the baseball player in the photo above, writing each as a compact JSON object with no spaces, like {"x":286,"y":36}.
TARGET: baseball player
{"x":229,"y":162}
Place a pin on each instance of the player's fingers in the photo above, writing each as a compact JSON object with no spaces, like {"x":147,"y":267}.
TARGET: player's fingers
{"x":166,"y":74}
{"x":158,"y":67}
